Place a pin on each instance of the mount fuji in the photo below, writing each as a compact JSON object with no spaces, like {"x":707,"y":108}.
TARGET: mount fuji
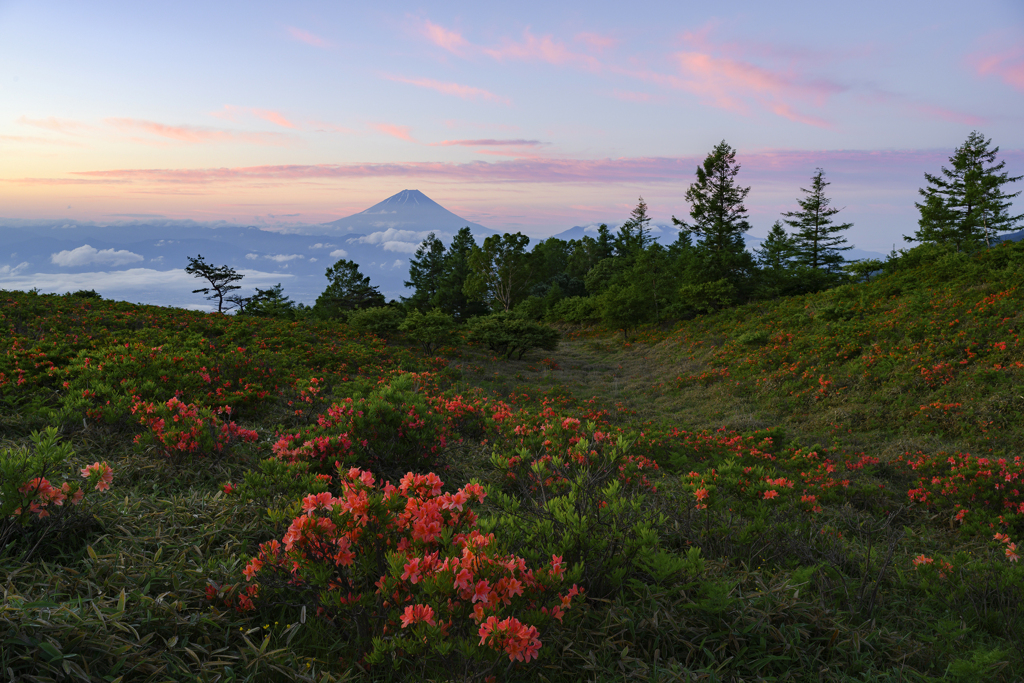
{"x":144,"y":261}
{"x":409,"y":210}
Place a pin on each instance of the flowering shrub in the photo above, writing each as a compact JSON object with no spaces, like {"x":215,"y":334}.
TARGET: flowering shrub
{"x":547,"y":450}
{"x":975,"y":490}
{"x":585,"y":505}
{"x":180,"y":429}
{"x":395,"y":429}
{"x":405,"y":571}
{"x":28,"y":486}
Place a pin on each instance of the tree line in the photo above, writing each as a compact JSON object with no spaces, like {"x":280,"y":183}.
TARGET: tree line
{"x":626,"y":278}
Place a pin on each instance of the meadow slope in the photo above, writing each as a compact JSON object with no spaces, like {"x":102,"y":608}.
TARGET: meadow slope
{"x":823,"y":487}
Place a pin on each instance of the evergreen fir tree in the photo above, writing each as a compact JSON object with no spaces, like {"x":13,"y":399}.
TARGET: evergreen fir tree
{"x":635,"y":234}
{"x":817,"y":240}
{"x":347,"y":290}
{"x":653,"y":272}
{"x":605,"y":243}
{"x":777,"y":251}
{"x":719,"y":220}
{"x":450,"y":295}
{"x":425,"y":269}
{"x":777,"y":260}
{"x":966,"y":205}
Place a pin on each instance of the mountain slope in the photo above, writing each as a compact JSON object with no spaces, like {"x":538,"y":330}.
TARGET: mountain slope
{"x":408,"y":211}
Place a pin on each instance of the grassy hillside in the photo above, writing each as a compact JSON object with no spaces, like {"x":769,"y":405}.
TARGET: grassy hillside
{"x":817,"y":488}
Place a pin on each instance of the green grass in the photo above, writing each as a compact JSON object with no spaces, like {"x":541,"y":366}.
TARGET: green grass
{"x":749,"y":588}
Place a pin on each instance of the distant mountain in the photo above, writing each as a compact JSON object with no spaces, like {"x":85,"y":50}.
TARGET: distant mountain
{"x":144,"y":261}
{"x":409,"y":211}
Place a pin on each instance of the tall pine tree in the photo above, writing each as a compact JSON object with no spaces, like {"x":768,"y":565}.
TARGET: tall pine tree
{"x":347,"y":290}
{"x":635,"y":234}
{"x":816,"y":239}
{"x":450,"y":295}
{"x":719,"y":220}
{"x":425,"y":270}
{"x":965,"y":205}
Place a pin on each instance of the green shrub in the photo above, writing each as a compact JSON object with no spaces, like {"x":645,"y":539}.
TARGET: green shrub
{"x":708,"y":297}
{"x":430,"y":330}
{"x":509,"y":335}
{"x":530,"y":308}
{"x":383,"y":321}
{"x":578,"y":508}
{"x":575,"y":309}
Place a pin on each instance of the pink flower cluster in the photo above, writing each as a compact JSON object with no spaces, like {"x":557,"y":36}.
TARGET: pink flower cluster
{"x":185,"y":428}
{"x":39,"y":493}
{"x":443,"y":572}
{"x":1011,"y":548}
{"x":518,"y":640}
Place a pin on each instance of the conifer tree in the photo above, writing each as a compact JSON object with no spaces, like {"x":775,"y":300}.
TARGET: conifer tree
{"x":966,"y":205}
{"x":605,"y":242}
{"x":777,"y":250}
{"x":635,"y":234}
{"x":347,"y":290}
{"x":817,"y":240}
{"x":221,"y":279}
{"x":425,"y":269}
{"x":719,"y":220}
{"x":777,"y":261}
{"x":451,"y":297}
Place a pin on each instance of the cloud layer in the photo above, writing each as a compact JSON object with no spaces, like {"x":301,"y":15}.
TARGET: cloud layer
{"x":86,"y":255}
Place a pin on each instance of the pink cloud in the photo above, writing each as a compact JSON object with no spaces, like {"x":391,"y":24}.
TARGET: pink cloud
{"x":729,"y":83}
{"x":230,"y":112}
{"x":543,"y":49}
{"x":274,"y":117}
{"x":56,"y":125}
{"x":1007,"y":65}
{"x":464,"y":91}
{"x":443,"y":38}
{"x":400,"y":132}
{"x":759,"y":168}
{"x":308,"y":38}
{"x":596,"y":42}
{"x":530,"y":48}
{"x":490,"y":142}
{"x":193,"y":134}
{"x":785,"y":111}
{"x":936,"y":112}
{"x":517,"y":170}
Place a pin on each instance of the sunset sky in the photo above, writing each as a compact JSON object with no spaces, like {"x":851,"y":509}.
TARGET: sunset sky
{"x":520,"y":116}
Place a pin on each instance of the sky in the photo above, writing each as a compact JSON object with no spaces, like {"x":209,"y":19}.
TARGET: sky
{"x":523,"y":116}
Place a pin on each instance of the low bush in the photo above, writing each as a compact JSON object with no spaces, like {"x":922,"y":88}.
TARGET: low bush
{"x":430,"y":330}
{"x":383,"y":321}
{"x":408,"y":579}
{"x":508,"y":335}
{"x":29,"y":486}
